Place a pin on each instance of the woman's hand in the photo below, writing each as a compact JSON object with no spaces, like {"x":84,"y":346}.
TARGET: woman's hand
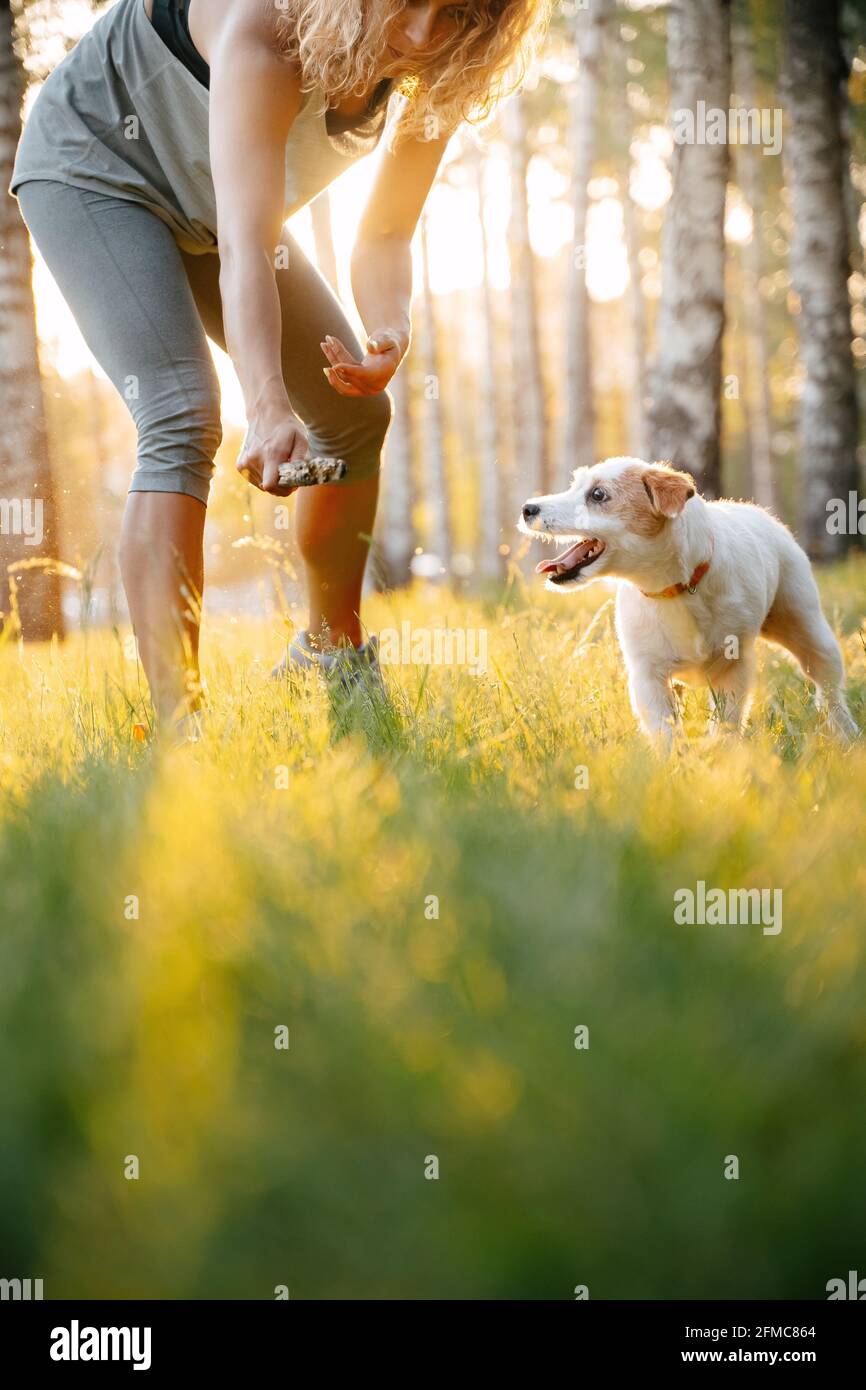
{"x":269,"y":442}
{"x":385,"y":351}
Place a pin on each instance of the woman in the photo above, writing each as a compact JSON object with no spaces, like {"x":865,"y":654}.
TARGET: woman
{"x":155,"y":172}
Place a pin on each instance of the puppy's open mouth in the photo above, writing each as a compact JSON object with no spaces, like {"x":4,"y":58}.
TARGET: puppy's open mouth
{"x":569,"y":564}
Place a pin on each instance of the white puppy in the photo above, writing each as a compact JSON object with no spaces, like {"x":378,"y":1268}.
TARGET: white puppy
{"x":703,"y":581}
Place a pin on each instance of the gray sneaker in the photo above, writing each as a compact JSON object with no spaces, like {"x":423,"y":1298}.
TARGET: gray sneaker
{"x":188,"y":729}
{"x":350,"y":667}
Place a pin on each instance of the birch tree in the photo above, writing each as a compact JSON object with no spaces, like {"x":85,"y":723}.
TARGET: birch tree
{"x":811,"y":66}
{"x":491,"y":512}
{"x":684,"y":414}
{"x":756,"y":384}
{"x":395,"y":532}
{"x":433,"y":439}
{"x":616,"y":56}
{"x":28,"y":521}
{"x":578,"y":441}
{"x":637,"y":429}
{"x":529,"y":416}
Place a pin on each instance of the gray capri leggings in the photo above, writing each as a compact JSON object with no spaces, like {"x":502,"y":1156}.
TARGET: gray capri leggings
{"x":144,"y":308}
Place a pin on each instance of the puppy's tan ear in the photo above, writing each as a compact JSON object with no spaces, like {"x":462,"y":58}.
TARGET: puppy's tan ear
{"x":668,"y":489}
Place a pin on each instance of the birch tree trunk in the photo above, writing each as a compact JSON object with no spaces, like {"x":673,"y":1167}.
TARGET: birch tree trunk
{"x":853,"y":205}
{"x":396,"y":535}
{"x":637,"y":428}
{"x":531,"y":471}
{"x":491,"y":512}
{"x":738,"y":344}
{"x":27,"y":504}
{"x":617,"y":57}
{"x":433,"y":445}
{"x":323,"y":239}
{"x":811,"y":63}
{"x":757,"y":397}
{"x":684,"y":414}
{"x":578,"y":438}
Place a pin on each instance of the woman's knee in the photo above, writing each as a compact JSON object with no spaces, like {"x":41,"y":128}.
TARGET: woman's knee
{"x":358,"y":436}
{"x":179,"y":434}
{"x":377,"y":412}
{"x":381,"y":409}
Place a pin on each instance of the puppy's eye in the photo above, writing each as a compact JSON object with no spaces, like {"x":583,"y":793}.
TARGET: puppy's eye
{"x":598,"y":494}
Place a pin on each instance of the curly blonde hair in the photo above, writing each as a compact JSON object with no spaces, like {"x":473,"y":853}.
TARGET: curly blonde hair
{"x":341,"y":47}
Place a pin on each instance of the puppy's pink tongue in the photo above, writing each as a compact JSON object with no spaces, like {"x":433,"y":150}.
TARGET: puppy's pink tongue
{"x":565,"y":561}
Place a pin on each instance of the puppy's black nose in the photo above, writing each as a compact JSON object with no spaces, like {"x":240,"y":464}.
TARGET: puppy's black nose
{"x":530,"y":510}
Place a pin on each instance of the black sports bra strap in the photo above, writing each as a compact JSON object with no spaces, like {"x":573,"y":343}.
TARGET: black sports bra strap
{"x":170,"y":21}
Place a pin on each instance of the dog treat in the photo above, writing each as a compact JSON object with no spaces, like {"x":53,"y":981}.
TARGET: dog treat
{"x":310,"y":472}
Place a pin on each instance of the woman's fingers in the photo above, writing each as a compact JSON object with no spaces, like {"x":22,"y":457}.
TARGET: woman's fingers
{"x":366,"y":378}
{"x":343,"y":388}
{"x":336,"y":352}
{"x":373,"y":371}
{"x":262,"y":470}
{"x":358,"y":381}
{"x":249,"y":471}
{"x":354,"y":375}
{"x":349,"y":377}
{"x":298,"y":450}
{"x":270,"y":476}
{"x":343,"y":353}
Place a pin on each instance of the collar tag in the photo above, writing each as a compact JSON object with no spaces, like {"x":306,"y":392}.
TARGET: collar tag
{"x":690,"y":587}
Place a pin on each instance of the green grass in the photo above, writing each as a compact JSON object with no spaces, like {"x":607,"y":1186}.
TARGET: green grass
{"x":284,"y":870}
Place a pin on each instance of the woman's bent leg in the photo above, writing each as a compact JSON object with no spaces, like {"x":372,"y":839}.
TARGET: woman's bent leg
{"x":333,"y":522}
{"x":333,"y":526}
{"x":120,"y":270}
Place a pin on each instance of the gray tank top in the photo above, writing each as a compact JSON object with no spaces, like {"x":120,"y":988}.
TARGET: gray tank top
{"x":121,"y":114}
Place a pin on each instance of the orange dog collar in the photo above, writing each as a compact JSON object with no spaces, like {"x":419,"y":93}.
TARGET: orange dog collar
{"x":674,"y":590}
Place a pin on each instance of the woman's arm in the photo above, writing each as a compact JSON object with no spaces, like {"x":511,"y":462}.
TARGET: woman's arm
{"x":254,"y":98}
{"x":382,"y":265}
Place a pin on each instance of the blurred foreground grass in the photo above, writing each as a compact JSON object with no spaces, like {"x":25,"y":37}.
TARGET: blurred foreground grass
{"x":285,"y":871}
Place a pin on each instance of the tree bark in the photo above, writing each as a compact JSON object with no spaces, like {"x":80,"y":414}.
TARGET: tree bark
{"x":27,"y":503}
{"x":684,"y":415}
{"x":433,"y":447}
{"x":491,"y":511}
{"x":811,"y":68}
{"x":396,"y":540}
{"x":531,"y":470}
{"x":757,"y":397}
{"x":578,"y":439}
{"x":631,"y":225}
{"x":637,"y":429}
